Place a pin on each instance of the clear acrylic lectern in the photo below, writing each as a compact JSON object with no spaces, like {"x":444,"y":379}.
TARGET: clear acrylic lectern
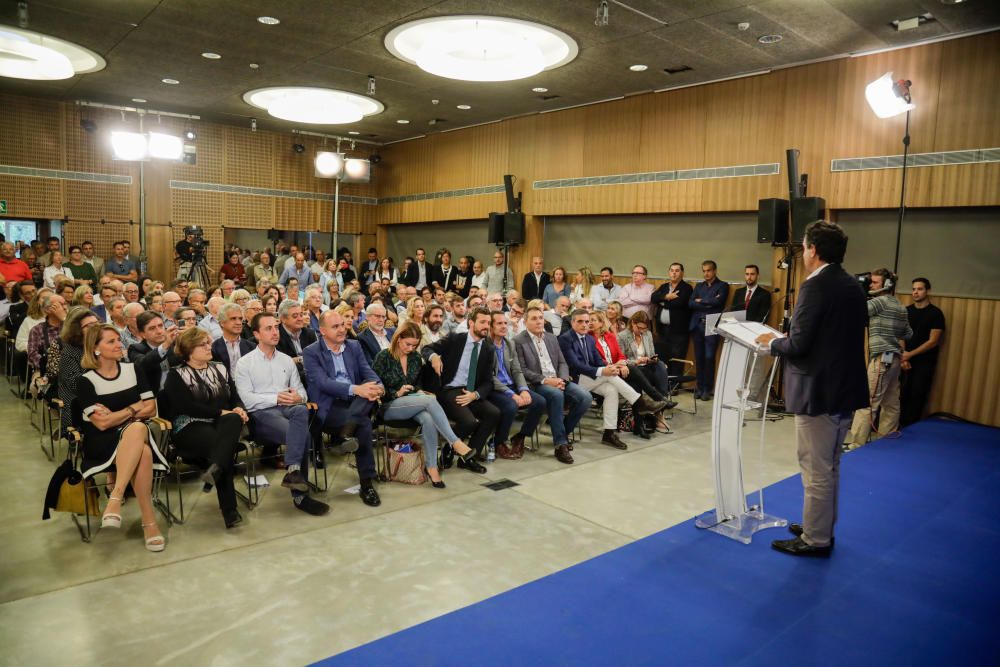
{"x":733,"y":516}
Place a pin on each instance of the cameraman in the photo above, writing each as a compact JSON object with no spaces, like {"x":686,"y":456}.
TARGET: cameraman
{"x":185,"y":253}
{"x":887,"y":326}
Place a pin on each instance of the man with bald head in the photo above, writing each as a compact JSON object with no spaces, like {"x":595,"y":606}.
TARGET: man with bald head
{"x":210,"y":322}
{"x":171,"y":302}
{"x":297,"y":269}
{"x":130,"y":334}
{"x":345,"y":389}
{"x":533,"y":284}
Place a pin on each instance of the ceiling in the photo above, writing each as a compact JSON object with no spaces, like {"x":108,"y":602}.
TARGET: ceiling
{"x":338,"y":43}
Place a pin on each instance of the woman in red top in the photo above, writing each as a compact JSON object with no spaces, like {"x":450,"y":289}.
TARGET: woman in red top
{"x":233,"y":270}
{"x":611,"y":354}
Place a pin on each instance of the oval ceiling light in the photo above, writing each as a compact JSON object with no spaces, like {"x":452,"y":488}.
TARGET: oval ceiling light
{"x":539,"y":89}
{"x":638,"y":68}
{"x":268,"y":20}
{"x":30,"y":55}
{"x":211,"y":56}
{"x":463,"y":107}
{"x":315,"y":106}
{"x":481,"y":48}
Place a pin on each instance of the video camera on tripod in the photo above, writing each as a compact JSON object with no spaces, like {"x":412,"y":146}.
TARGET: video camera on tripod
{"x":198,"y":243}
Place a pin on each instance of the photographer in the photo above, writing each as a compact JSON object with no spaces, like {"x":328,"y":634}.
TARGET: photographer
{"x":887,"y":327}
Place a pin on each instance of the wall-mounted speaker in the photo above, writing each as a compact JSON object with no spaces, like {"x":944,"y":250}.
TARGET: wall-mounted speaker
{"x":273,"y":235}
{"x":496,"y":227}
{"x":772,"y":221}
{"x":513,"y":228}
{"x":804,"y":211}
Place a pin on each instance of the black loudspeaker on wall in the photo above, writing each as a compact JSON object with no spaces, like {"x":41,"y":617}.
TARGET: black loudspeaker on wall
{"x":772,"y":221}
{"x":513,"y":228}
{"x":496,"y":224}
{"x":273,"y":235}
{"x":804,"y":211}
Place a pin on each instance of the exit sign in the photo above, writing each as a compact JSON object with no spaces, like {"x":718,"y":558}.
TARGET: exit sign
{"x":3,"y":207}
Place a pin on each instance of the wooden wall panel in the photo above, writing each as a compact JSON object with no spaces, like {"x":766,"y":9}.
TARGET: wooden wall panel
{"x":209,"y":167}
{"x":32,"y":197}
{"x":30,"y":133}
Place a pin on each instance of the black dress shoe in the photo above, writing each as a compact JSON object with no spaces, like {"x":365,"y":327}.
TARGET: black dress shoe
{"x":796,"y":529}
{"x":611,"y":439}
{"x":437,"y":485}
{"x":447,"y":458}
{"x":563,"y":455}
{"x":312,"y":506}
{"x":796,"y":547}
{"x":471,"y":464}
{"x":232,"y":518}
{"x":639,"y":429}
{"x":369,"y":496}
{"x":295,"y":481}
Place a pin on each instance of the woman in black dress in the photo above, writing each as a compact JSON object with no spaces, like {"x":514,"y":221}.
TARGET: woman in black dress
{"x":208,"y":416}
{"x":115,"y":402}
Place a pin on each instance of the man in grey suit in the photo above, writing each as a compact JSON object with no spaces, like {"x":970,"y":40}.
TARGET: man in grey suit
{"x":511,"y":393}
{"x":547,"y":374}
{"x":825,"y":380}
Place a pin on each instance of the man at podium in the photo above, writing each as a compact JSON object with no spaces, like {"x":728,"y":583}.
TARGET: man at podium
{"x":825,"y":380}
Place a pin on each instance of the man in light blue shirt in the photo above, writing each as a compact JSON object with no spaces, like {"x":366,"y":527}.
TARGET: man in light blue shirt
{"x":269,"y":386}
{"x":298,"y":270}
{"x":210,"y":322}
{"x":607,"y":291}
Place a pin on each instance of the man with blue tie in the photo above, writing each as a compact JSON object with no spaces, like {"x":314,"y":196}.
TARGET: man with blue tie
{"x":708,"y":299}
{"x":345,"y":388}
{"x":586,"y":369}
{"x":465,"y":363}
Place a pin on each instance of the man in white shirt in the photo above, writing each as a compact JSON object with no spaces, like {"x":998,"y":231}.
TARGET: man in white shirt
{"x":607,"y":291}
{"x":499,"y":278}
{"x":456,"y":318}
{"x":269,"y":386}
{"x":432,"y":329}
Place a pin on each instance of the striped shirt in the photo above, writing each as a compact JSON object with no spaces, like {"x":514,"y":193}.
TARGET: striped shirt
{"x":887,"y":324}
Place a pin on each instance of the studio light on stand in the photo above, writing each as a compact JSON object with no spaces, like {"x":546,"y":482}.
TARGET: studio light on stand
{"x":887,"y":98}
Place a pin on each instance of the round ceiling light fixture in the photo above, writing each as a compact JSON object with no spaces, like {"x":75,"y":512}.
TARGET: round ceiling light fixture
{"x":315,"y":106}
{"x":403,"y":121}
{"x":463,"y":107}
{"x":481,"y":48}
{"x":638,"y":68}
{"x":268,"y":20}
{"x":769,"y":39}
{"x":211,"y":56}
{"x":25,"y":54}
{"x":170,"y":82}
{"x":539,"y":89}
{"x":139,"y":100}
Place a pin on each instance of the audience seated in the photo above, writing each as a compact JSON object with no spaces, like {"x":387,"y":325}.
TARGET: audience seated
{"x":345,"y":389}
{"x":42,"y":334}
{"x":294,"y":335}
{"x":207,"y":416}
{"x":586,"y":369}
{"x":511,"y":393}
{"x":34,"y":315}
{"x":115,"y":402}
{"x":464,"y":362}
{"x":399,"y":368}
{"x":65,"y":369}
{"x":232,"y":345}
{"x":376,"y":336}
{"x":433,"y":322}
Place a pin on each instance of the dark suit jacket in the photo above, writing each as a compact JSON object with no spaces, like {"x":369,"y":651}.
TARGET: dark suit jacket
{"x":306,"y":338}
{"x":713,"y":301}
{"x":137,"y":351}
{"x":760,"y":303}
{"x":101,"y":311}
{"x":824,"y":351}
{"x":450,"y":349}
{"x":151,"y":365}
{"x":220,"y":352}
{"x":531,"y":365}
{"x":532,"y":290}
{"x":680,"y":312}
{"x":413,"y":274}
{"x":446,"y":283}
{"x":322,"y":388}
{"x":578,"y":362}
{"x":369,"y":345}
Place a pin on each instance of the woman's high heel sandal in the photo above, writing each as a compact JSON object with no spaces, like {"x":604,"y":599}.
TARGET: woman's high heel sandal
{"x":436,"y":485}
{"x":110,"y":519}
{"x":157,"y":542}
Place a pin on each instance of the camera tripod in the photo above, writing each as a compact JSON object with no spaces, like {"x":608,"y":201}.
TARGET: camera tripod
{"x":198,"y":272}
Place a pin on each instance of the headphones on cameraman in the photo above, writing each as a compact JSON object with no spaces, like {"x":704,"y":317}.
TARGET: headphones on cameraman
{"x":888,"y":282}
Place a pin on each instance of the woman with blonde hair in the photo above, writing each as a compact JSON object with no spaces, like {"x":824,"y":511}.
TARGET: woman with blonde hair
{"x":415,"y":309}
{"x":115,"y":403}
{"x":240,"y":296}
{"x":34,"y":316}
{"x":582,"y":284}
{"x":83,"y":296}
{"x":399,"y":366}
{"x":616,"y":323}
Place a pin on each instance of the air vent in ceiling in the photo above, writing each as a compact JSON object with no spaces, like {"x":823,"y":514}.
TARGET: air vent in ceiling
{"x":546,"y":98}
{"x":677,"y":70}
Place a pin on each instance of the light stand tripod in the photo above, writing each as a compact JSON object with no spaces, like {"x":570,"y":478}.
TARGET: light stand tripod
{"x":198,"y":272}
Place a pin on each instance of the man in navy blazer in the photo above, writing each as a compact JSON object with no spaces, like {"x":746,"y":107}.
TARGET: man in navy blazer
{"x":708,"y":299}
{"x":374,"y":332}
{"x":825,"y":380}
{"x":345,"y":388}
{"x":588,"y":370}
{"x":231,"y":320}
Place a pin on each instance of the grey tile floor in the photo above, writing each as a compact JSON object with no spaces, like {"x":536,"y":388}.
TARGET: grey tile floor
{"x":286,"y":588}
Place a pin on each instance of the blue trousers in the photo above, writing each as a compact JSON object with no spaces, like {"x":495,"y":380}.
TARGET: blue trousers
{"x":425,"y":410}
{"x":288,"y":424}
{"x":508,"y":411}
{"x":704,"y":359}
{"x":578,"y":400}
{"x":357,"y":411}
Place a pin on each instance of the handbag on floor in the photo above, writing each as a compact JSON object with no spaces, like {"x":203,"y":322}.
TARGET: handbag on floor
{"x":405,"y":467}
{"x":66,"y":492}
{"x":626,"y":418}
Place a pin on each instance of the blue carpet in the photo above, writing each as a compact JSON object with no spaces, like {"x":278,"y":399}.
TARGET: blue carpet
{"x":914,"y":580}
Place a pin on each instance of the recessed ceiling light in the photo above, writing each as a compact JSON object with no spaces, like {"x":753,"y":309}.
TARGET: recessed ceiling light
{"x":25,"y":54}
{"x":317,"y":106}
{"x":354,"y":132}
{"x":769,"y":39}
{"x":170,"y":82}
{"x":539,"y":89}
{"x":638,"y":68}
{"x":138,"y":100}
{"x":210,"y":55}
{"x":463,"y":107}
{"x":268,"y":20}
{"x":403,"y":121}
{"x":481,"y":48}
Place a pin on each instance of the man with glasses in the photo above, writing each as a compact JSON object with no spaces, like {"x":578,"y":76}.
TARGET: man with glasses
{"x":171,"y":302}
{"x":375,"y":337}
{"x":181,"y":287}
{"x":607,"y":291}
{"x":186,"y":318}
{"x":131,"y":292}
{"x":130,"y":333}
{"x":637,"y":295}
{"x":83,"y":273}
{"x":294,"y":335}
{"x":253,"y":307}
{"x":196,"y":299}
